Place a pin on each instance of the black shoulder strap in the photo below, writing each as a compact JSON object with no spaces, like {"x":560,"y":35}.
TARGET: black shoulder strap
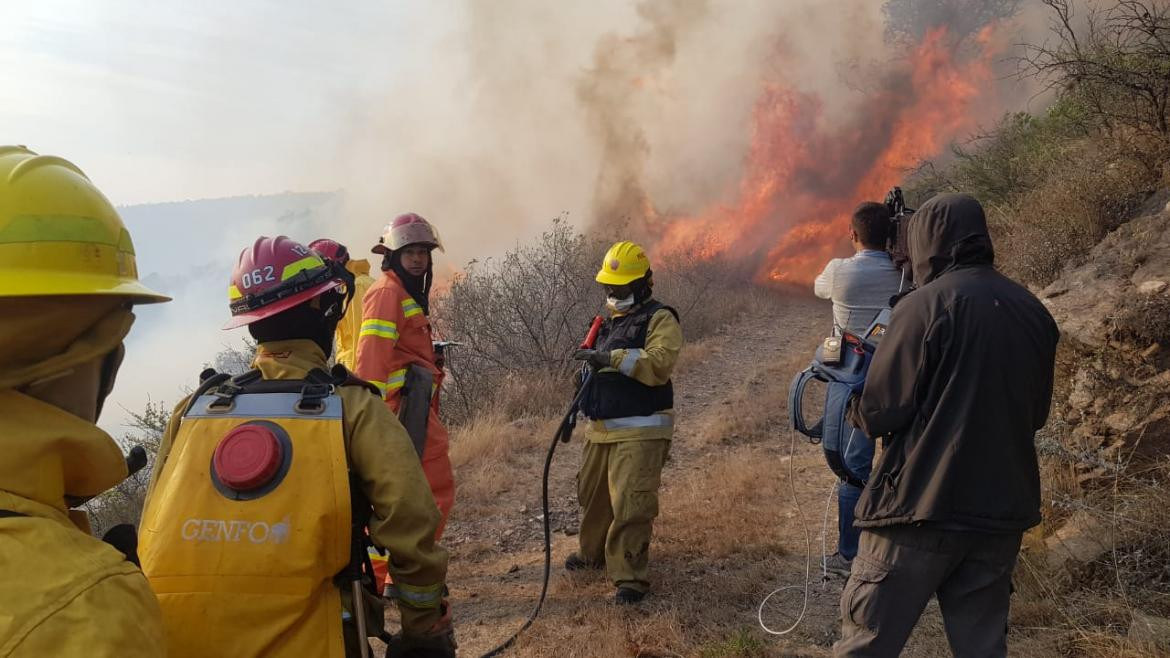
{"x":344,"y":377}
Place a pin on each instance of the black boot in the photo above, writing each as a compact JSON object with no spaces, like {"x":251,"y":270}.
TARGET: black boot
{"x":627,"y":596}
{"x":576,"y":563}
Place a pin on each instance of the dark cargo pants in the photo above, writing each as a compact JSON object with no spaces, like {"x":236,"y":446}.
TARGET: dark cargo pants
{"x":898,"y":569}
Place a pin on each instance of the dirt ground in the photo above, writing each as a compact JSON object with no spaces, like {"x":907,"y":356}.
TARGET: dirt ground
{"x":728,"y":532}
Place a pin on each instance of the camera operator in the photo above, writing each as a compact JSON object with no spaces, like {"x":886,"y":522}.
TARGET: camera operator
{"x":958,"y":388}
{"x":860,"y":287}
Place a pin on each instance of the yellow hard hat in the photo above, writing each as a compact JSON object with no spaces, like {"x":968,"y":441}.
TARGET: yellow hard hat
{"x":624,"y":262}
{"x":59,"y":235}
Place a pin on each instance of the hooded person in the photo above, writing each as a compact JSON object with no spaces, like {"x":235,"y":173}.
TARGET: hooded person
{"x":395,"y":348}
{"x":957,"y":389}
{"x":268,"y":484}
{"x":629,"y":400}
{"x":350,"y":325}
{"x":68,"y":280}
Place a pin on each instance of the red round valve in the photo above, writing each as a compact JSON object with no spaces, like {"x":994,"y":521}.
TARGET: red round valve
{"x":248,"y":457}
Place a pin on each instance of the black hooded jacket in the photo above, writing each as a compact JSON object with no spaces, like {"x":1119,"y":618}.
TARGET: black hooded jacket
{"x":959,"y":385}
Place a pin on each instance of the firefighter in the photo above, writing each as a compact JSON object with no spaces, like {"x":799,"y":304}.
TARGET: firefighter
{"x":68,"y":280}
{"x":395,"y":350}
{"x":345,"y":343}
{"x":266,"y":484}
{"x":629,"y":400}
{"x":350,"y":325}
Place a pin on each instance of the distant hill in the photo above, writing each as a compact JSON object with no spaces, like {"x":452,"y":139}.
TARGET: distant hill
{"x":186,"y":249}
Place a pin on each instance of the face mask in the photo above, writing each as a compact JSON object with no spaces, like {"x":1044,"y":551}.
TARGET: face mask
{"x":616,"y":305}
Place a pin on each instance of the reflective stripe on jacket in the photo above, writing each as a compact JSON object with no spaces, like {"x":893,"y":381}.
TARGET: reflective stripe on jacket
{"x":394,"y":334}
{"x":650,"y":365}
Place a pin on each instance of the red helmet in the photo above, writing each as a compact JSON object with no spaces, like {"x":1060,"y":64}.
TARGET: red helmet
{"x":330,"y":249}
{"x":406,"y":230}
{"x":275,"y":275}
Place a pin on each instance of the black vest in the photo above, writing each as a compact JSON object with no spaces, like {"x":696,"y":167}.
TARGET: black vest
{"x":612,"y":394}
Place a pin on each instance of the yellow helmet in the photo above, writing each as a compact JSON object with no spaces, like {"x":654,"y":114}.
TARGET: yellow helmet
{"x":625,"y":262}
{"x":59,"y":235}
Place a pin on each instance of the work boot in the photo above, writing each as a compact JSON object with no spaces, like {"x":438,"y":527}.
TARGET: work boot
{"x":627,"y":596}
{"x":837,"y":565}
{"x":577,"y":563}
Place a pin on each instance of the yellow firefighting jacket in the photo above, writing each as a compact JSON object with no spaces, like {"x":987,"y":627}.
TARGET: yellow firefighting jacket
{"x":404,"y":521}
{"x":351,"y":325}
{"x":652,"y":366}
{"x":63,"y":592}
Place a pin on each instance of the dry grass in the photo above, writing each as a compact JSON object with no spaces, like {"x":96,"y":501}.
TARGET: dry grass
{"x":489,"y":454}
{"x":726,"y":507}
{"x":756,"y":408}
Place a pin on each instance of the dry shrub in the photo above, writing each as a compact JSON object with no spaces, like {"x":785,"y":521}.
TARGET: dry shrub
{"x":123,"y":503}
{"x":521,"y":317}
{"x":1065,"y":216}
{"x":708,"y":293}
{"x":1090,"y":606}
{"x":533,"y":394}
{"x":1146,"y":320}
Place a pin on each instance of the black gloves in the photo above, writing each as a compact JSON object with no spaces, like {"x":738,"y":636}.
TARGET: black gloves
{"x":597,"y":359}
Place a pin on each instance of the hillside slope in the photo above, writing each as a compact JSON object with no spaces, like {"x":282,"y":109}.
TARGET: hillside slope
{"x":728,"y":533}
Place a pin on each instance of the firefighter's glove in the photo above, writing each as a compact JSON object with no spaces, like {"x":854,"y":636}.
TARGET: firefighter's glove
{"x":597,"y":359}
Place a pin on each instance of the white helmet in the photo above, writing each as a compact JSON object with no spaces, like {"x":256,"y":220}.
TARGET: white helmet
{"x":406,"y":230}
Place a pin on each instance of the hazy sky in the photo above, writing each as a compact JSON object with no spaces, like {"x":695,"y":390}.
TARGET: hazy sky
{"x":171,"y":99}
{"x":488,"y":117}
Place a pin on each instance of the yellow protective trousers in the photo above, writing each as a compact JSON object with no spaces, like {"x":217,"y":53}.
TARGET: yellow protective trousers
{"x":617,"y":488}
{"x":250,"y":573}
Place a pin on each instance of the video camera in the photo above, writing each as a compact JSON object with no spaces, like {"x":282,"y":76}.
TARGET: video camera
{"x":899,"y":219}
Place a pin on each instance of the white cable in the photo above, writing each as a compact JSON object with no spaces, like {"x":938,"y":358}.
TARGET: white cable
{"x":825,"y":534}
{"x":807,"y":544}
{"x":808,"y":553}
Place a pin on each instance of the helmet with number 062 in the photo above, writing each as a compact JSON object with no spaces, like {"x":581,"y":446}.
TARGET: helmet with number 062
{"x":274,"y":275}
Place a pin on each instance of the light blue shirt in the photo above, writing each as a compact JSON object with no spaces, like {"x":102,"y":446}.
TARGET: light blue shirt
{"x":860,"y":287}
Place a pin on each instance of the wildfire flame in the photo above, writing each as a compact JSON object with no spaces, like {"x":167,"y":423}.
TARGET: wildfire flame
{"x":803,"y":178}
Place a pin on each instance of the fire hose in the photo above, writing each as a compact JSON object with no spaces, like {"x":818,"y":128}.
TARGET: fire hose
{"x":562,"y":435}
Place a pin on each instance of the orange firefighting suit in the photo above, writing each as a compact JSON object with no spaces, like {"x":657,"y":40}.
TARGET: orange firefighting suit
{"x":395,"y":334}
{"x":380,"y":455}
{"x":350,"y":325}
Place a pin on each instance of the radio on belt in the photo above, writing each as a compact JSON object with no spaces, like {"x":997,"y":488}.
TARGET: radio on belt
{"x":831,"y":351}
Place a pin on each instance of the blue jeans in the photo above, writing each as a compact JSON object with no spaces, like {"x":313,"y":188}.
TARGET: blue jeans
{"x":857,"y":454}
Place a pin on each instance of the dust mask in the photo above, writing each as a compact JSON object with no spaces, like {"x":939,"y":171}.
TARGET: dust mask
{"x":616,"y":305}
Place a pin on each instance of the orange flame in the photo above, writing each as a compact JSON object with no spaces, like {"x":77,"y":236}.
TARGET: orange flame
{"x":802,"y":178}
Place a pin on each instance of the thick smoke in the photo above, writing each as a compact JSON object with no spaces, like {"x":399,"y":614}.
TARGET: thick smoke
{"x":807,"y":109}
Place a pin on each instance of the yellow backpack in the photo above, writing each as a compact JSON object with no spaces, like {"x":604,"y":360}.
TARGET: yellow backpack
{"x":249,"y":521}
